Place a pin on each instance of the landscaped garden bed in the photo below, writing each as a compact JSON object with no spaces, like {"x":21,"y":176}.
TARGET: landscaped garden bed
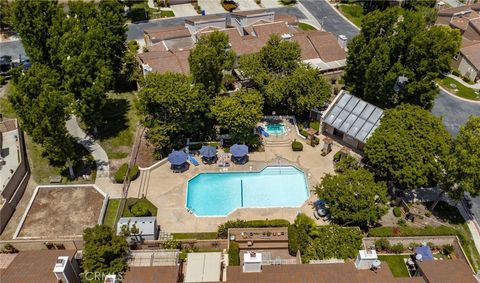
{"x":459,"y":89}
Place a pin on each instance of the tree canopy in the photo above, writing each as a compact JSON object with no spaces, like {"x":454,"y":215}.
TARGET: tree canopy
{"x":174,"y":109}
{"x":211,"y":55}
{"x":410,"y":146}
{"x":466,"y":158}
{"x":239,"y":113}
{"x":299,"y":92}
{"x":85,"y":46}
{"x":353,"y":197}
{"x":104,"y":251}
{"x":396,"y":58}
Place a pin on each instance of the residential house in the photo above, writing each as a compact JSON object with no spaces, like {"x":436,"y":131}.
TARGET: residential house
{"x":468,"y":60}
{"x":14,"y":169}
{"x":464,"y":18}
{"x":249,"y":31}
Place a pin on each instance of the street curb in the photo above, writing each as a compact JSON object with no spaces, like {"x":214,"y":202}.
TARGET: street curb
{"x":456,"y":96}
{"x":341,"y":15}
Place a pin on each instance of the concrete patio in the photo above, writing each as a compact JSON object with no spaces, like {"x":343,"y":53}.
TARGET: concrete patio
{"x":167,"y":190}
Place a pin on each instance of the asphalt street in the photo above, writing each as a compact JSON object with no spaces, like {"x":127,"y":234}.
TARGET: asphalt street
{"x":12,"y":48}
{"x":332,"y":21}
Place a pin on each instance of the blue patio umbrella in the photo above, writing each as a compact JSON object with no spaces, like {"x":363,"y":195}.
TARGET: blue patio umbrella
{"x":177,"y":157}
{"x":208,"y":151}
{"x":239,"y":150}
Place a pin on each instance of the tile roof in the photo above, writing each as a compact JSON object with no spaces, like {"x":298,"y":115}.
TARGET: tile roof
{"x":451,"y":11}
{"x":264,"y":31}
{"x":34,"y":266}
{"x":162,"y":33}
{"x":315,"y":273}
{"x":445,"y":271}
{"x":166,"y":61}
{"x":472,"y":54}
{"x":290,"y":19}
{"x":327,"y":46}
{"x":198,"y":19}
{"x":152,"y":274}
{"x":250,"y":13}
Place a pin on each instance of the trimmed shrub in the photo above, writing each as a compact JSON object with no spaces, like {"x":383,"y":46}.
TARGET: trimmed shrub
{"x":402,"y":222}
{"x":134,"y":172}
{"x":195,"y":146}
{"x":397,"y":248}
{"x":172,"y":244}
{"x":292,"y":240}
{"x":467,"y":80}
{"x":304,"y":133}
{"x":386,"y":231}
{"x":317,"y":141}
{"x":297,"y":146}
{"x":382,"y":244}
{"x":120,"y":174}
{"x":223,"y":228}
{"x":288,"y":2}
{"x":455,"y":72}
{"x":140,"y":209}
{"x":234,"y":254}
{"x":315,"y":125}
{"x":428,"y":214}
{"x":397,"y":212}
{"x":447,"y":249}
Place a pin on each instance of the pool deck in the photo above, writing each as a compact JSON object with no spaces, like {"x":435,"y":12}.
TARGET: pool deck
{"x":167,"y":190}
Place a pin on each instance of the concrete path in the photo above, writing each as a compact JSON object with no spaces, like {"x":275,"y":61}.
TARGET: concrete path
{"x":472,"y":224}
{"x":98,"y":153}
{"x":458,"y":79}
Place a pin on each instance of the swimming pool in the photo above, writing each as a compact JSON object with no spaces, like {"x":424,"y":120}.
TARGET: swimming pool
{"x":218,"y":194}
{"x":275,"y":129}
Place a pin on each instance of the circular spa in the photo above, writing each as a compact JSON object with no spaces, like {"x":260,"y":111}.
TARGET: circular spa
{"x":218,"y":194}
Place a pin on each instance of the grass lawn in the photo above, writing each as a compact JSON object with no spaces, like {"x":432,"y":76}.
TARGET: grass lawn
{"x":306,"y":27}
{"x":111,"y":212}
{"x":167,"y":14}
{"x":116,"y":136}
{"x":396,"y":264}
{"x":353,"y":12}
{"x":132,"y":201}
{"x":463,"y":91}
{"x":197,"y":236}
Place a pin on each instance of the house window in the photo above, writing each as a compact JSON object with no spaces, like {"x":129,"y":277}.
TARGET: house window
{"x":456,"y":56}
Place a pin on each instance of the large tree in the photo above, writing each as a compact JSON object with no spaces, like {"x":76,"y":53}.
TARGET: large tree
{"x":299,"y":92}
{"x":174,"y":109}
{"x":84,"y":46}
{"x":396,"y":57}
{"x":239,"y":113}
{"x":466,"y":160}
{"x":43,"y":109}
{"x":353,"y":197}
{"x":210,"y":57}
{"x":411,"y":147}
{"x":104,"y":251}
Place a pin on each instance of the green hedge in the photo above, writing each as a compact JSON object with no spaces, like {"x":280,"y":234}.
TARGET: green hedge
{"x":120,"y":174}
{"x":234,"y":254}
{"x":304,"y":133}
{"x":412,"y":231}
{"x":292,"y":240}
{"x":315,"y":125}
{"x":297,"y":146}
{"x":397,"y":212}
{"x":223,"y":228}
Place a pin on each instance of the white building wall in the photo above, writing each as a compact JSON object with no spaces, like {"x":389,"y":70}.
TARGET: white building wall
{"x":466,"y":69}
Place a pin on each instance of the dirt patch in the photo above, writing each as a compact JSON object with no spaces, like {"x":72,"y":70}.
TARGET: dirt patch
{"x":60,"y":212}
{"x":145,"y":154}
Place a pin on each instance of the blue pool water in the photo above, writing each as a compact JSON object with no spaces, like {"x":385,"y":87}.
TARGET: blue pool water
{"x":275,"y":129}
{"x":218,"y":194}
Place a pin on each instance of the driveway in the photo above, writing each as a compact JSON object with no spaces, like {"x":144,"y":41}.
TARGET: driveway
{"x":454,"y":111}
{"x":333,"y":22}
{"x":211,"y":7}
{"x":184,"y":10}
{"x":248,"y":5}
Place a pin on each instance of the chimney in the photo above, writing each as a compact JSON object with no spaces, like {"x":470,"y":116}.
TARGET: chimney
{"x":111,"y":278}
{"x":366,"y":259}
{"x":252,"y":262}
{"x":64,"y":271}
{"x":286,"y":36}
{"x":342,"y":41}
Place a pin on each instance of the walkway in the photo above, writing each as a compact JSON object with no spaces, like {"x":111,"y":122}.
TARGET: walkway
{"x":458,"y":79}
{"x":100,"y":156}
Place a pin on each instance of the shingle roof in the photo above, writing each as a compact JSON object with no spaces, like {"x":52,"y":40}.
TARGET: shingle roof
{"x":34,"y":266}
{"x":152,"y":274}
{"x":472,"y":54}
{"x":197,"y":19}
{"x":445,"y":271}
{"x":353,"y":116}
{"x":315,"y":273}
{"x":162,"y":33}
{"x":166,"y":61}
{"x":250,"y":13}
